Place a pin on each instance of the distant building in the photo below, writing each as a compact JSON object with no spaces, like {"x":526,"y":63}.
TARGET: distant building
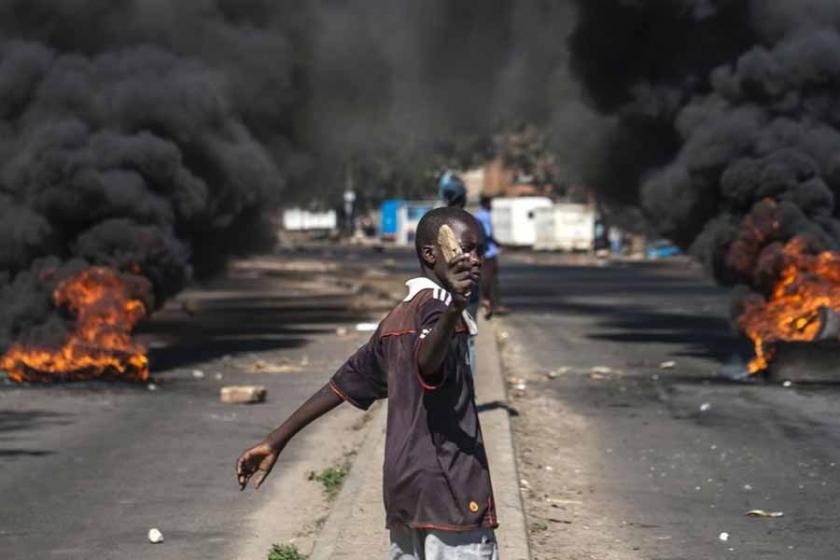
{"x":496,"y":180}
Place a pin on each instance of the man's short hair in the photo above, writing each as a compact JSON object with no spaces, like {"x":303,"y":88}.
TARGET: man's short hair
{"x":427,"y":229}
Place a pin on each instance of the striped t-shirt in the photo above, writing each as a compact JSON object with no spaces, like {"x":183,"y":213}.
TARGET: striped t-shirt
{"x":435,"y":472}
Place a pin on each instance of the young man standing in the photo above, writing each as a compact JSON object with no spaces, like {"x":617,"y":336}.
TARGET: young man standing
{"x":437,"y":490}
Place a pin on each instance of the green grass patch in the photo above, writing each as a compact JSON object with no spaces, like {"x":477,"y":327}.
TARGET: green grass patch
{"x":285,"y":552}
{"x":332,"y":478}
{"x":539,"y":526}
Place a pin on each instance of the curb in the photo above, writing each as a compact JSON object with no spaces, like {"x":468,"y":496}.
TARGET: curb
{"x":491,"y":395}
{"x":368,"y":464}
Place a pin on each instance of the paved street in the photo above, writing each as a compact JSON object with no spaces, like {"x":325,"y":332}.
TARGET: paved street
{"x":621,"y":458}
{"x":87,"y":469}
{"x":667,"y":459}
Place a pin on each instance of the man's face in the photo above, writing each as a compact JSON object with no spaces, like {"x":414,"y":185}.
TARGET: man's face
{"x":468,"y":236}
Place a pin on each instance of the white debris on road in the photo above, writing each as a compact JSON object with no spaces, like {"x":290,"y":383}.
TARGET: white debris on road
{"x":667,"y":365}
{"x":155,"y":536}
{"x":762,"y":513}
{"x":724,"y":536}
{"x":198,"y":374}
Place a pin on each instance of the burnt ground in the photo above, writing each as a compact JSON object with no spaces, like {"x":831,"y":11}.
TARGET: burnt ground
{"x":86,"y":469}
{"x":621,"y":458}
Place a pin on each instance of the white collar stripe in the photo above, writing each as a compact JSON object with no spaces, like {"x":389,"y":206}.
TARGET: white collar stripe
{"x":417,"y":285}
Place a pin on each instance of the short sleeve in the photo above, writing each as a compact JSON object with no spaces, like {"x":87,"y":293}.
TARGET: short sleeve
{"x":361,"y":380}
{"x":429,"y":314}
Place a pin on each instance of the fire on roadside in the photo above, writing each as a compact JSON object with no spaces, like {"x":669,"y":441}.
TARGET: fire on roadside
{"x":807,"y":284}
{"x":106,"y":309}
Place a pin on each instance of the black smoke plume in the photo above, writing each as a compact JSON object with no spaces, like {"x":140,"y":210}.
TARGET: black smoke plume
{"x":726,"y":120}
{"x":132,"y":159}
{"x":155,"y":136}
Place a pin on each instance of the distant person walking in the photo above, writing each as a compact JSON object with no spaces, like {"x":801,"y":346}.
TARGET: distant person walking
{"x":490,"y":268}
{"x":452,"y":191}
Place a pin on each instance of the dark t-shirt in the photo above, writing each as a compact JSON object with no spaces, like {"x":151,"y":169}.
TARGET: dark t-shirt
{"x":435,"y":473}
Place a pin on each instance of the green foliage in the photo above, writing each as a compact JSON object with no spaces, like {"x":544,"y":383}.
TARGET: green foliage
{"x":285,"y":552}
{"x":332,"y":478}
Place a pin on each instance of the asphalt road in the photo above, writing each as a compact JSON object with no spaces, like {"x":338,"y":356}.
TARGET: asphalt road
{"x":87,"y":469}
{"x":683,"y":453}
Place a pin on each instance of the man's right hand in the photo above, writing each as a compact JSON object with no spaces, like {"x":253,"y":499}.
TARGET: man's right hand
{"x":258,"y":460}
{"x":460,"y":279}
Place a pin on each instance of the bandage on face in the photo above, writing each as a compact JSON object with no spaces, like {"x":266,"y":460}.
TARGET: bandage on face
{"x":449,"y":245}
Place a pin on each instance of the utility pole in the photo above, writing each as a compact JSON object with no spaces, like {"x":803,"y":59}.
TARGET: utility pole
{"x":349,"y":199}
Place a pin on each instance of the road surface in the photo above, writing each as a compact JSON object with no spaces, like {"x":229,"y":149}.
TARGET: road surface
{"x":87,"y":469}
{"x":673,"y":458}
{"x":622,"y":459}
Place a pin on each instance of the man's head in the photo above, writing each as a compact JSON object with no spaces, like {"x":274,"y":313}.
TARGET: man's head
{"x":486,"y":201}
{"x":452,"y":191}
{"x":467,"y":232}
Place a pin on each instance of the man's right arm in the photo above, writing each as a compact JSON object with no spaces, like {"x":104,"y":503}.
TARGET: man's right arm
{"x":261,"y":458}
{"x":360,"y":381}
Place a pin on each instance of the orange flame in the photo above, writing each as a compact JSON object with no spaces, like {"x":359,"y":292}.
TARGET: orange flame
{"x":807,"y":284}
{"x":101,"y":344}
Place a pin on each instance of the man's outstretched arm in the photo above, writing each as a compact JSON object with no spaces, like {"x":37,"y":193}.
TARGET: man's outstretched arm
{"x":260,"y":459}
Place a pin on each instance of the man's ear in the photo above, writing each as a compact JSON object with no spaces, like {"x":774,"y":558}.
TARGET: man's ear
{"x":428,"y":254}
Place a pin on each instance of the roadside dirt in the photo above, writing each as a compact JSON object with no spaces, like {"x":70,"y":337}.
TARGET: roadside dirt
{"x":292,"y":507}
{"x":557,"y":458}
{"x":296,"y":507}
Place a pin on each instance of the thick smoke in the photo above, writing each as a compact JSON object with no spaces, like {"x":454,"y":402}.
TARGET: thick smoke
{"x":156,"y":135}
{"x":131,"y":159}
{"x":727,"y":121}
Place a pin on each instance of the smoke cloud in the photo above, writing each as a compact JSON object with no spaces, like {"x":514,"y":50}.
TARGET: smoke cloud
{"x":155,"y":136}
{"x":726,"y":122}
{"x":132,"y":159}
